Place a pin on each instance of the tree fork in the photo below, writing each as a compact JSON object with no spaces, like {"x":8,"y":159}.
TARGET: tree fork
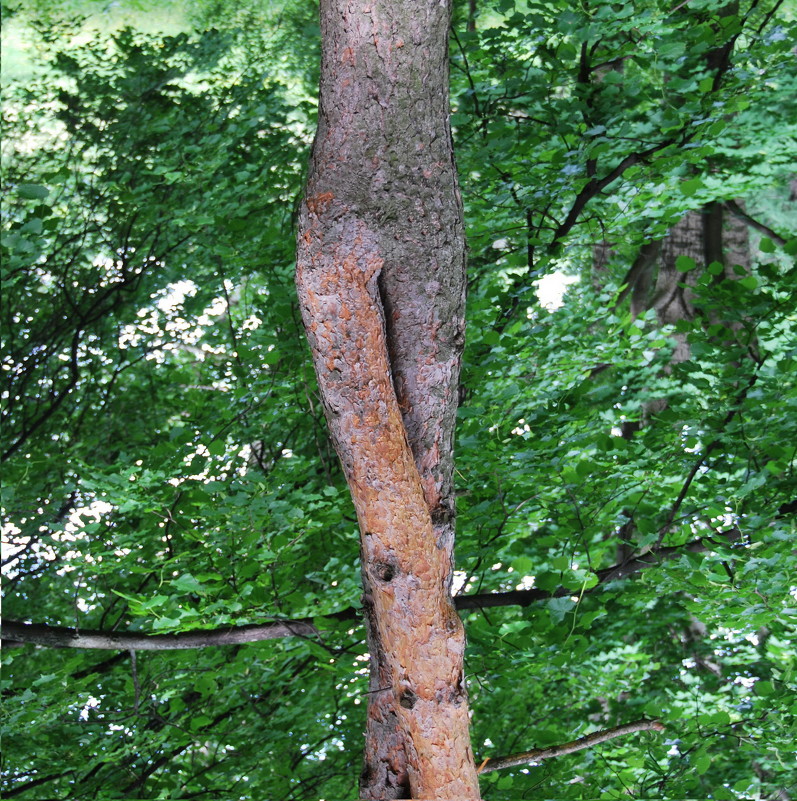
{"x":380,"y":274}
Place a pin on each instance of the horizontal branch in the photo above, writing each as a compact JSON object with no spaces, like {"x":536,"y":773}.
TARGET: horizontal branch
{"x":63,"y":637}
{"x":651,"y":558}
{"x":590,"y":740}
{"x":15,"y":632}
{"x":23,"y":788}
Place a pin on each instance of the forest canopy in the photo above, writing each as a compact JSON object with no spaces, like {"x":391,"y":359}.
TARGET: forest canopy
{"x":182,"y":597}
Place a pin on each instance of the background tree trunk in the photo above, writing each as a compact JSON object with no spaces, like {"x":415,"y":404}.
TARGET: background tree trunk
{"x":381,"y":278}
{"x":704,"y":236}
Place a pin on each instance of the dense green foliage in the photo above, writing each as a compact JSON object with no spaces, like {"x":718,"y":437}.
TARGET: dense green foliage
{"x":166,"y":463}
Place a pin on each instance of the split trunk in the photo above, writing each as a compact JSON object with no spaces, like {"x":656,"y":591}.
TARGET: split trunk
{"x":381,"y":281}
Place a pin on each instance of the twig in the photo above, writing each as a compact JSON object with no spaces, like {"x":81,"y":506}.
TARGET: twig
{"x":590,"y":740}
{"x":596,"y":185}
{"x":710,"y":448}
{"x":679,"y":6}
{"x":23,"y":788}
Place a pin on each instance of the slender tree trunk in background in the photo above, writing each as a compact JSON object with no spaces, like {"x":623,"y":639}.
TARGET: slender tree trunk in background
{"x":381,"y":280}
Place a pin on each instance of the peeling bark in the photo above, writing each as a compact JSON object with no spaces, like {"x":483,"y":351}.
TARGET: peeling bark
{"x":381,"y":277}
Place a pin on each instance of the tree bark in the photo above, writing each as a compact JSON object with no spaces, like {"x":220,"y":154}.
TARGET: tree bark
{"x":381,"y":279}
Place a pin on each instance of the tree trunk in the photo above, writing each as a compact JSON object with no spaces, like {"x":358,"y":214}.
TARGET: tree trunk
{"x":673,"y":295}
{"x":381,"y":279}
{"x":706,"y":237}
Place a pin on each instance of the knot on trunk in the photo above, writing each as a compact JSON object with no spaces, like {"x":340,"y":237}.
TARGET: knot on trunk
{"x":385,"y":571}
{"x":408,"y":699}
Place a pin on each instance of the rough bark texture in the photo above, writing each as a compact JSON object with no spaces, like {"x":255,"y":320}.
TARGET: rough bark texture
{"x":381,"y":278}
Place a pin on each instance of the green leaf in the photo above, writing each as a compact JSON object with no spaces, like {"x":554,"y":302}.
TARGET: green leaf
{"x":766,"y":245}
{"x":199,"y":722}
{"x":132,"y":598}
{"x":186,"y":583}
{"x":684,"y":264}
{"x":584,"y":468}
{"x":523,"y":565}
{"x":559,"y":607}
{"x":206,"y":685}
{"x":217,"y":448}
{"x":585,"y":579}
{"x":689,"y":187}
{"x":32,"y":191}
{"x":491,"y":337}
{"x":764,"y":688}
{"x":547,"y":581}
{"x":701,"y":763}
{"x":706,"y":84}
{"x":716,"y":268}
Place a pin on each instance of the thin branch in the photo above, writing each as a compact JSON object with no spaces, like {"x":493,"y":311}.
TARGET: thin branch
{"x":734,"y":208}
{"x":679,"y":6}
{"x":23,"y":788}
{"x":62,"y":637}
{"x":619,"y":571}
{"x":136,"y":685}
{"x":769,"y":16}
{"x":466,"y":70}
{"x":596,"y":185}
{"x":157,"y":764}
{"x":590,"y":740}
{"x":709,"y":449}
{"x":15,"y":632}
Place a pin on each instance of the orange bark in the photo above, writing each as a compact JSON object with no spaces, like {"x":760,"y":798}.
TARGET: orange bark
{"x":421,"y":634}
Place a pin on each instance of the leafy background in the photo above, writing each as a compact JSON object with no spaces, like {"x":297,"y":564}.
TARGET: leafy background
{"x":166,"y":463}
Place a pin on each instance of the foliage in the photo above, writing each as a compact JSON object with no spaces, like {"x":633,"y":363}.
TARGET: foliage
{"x":166,"y":461}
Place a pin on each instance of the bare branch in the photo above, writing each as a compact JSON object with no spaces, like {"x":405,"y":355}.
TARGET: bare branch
{"x":590,"y":740}
{"x":62,"y":637}
{"x":15,"y":632}
{"x":596,"y":185}
{"x":709,"y":449}
{"x":23,"y":788}
{"x":651,"y":558}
